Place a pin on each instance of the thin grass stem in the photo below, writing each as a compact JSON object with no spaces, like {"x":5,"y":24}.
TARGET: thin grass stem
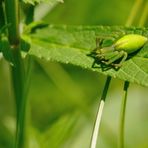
{"x":134,"y":12}
{"x":122,"y":115}
{"x":99,"y":114}
{"x":144,"y":15}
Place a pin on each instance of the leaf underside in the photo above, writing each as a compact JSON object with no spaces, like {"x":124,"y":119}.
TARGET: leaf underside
{"x":71,"y":44}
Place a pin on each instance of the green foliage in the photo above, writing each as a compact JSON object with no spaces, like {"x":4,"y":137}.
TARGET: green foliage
{"x":5,"y":49}
{"x":32,"y":27}
{"x":90,"y":12}
{"x":51,"y":2}
{"x":62,"y":97}
{"x":70,"y":45}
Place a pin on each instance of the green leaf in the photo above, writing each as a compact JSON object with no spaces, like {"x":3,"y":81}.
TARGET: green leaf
{"x":33,"y":26}
{"x":51,"y":2}
{"x":70,"y":45}
{"x":6,"y":49}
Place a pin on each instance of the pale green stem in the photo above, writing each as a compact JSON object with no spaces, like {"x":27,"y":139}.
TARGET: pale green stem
{"x":129,"y":22}
{"x":122,"y":115}
{"x":134,"y":12}
{"x":99,"y":114}
{"x":144,"y":15}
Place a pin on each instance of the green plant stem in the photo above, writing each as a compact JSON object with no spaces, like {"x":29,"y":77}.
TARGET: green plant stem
{"x":17,"y":69}
{"x":134,"y":11}
{"x":99,"y":114}
{"x":12,"y":16}
{"x":20,"y":134}
{"x":2,"y":20}
{"x":122,"y":115}
{"x":129,"y":22}
{"x":144,"y":15}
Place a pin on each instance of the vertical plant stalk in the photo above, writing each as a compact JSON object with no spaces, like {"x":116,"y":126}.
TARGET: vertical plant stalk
{"x":17,"y":73}
{"x":2,"y":20}
{"x":99,"y":114}
{"x":144,"y":15}
{"x":129,"y":22}
{"x":17,"y":69}
{"x":122,"y":115}
{"x":134,"y":11}
{"x":12,"y":17}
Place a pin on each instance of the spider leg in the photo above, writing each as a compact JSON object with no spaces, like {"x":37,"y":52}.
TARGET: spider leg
{"x":109,"y":55}
{"x":117,"y":55}
{"x":99,"y":42}
{"x":95,"y":62}
{"x":124,"y":55}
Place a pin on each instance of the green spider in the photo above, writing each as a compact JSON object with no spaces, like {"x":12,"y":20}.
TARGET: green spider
{"x":116,"y":54}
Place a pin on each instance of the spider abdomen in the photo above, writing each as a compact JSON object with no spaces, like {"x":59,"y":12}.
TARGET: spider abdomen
{"x":130,"y":43}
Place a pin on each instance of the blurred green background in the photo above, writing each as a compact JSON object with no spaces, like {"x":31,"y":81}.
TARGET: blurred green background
{"x":63,"y":99}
